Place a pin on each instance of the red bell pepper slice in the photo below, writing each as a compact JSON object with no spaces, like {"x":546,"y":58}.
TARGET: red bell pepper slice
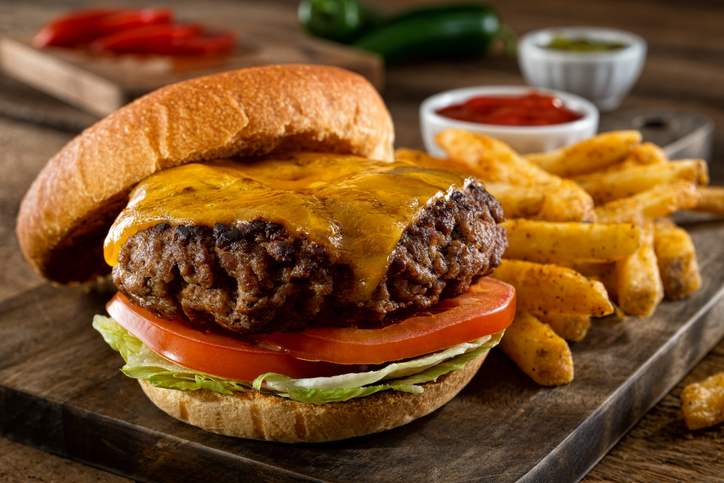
{"x":166,"y":40}
{"x":152,"y":39}
{"x":69,"y":30}
{"x":129,"y":19}
{"x":84,"y":26}
{"x":205,"y":45}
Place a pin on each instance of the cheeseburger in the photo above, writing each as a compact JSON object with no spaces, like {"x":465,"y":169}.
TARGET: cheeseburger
{"x":280,"y":276}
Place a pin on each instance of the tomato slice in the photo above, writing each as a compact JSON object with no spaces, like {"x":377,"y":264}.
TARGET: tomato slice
{"x":212,"y":353}
{"x":488,"y":307}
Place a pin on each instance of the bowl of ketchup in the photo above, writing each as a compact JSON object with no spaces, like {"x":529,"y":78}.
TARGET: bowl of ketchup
{"x":529,"y":120}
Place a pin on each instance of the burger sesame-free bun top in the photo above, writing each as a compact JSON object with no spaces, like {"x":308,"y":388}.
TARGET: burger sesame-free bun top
{"x":68,"y":209}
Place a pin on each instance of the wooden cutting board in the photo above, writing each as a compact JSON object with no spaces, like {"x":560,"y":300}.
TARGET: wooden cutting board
{"x":100,"y":84}
{"x":61,"y":389}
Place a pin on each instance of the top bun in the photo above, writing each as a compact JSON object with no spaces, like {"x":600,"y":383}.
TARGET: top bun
{"x":72,"y":203}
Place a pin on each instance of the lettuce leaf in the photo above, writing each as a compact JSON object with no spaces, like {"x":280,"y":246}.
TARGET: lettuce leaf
{"x":143,"y":363}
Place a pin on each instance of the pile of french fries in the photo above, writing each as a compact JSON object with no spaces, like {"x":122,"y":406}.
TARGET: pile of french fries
{"x":589,"y":234}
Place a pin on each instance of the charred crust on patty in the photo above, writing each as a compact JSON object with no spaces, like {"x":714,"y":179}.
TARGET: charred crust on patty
{"x":256,"y":278}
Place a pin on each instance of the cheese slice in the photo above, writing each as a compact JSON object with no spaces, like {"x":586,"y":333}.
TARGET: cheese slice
{"x":355,"y":207}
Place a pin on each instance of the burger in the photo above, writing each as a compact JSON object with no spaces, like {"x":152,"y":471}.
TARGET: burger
{"x":280,"y":276}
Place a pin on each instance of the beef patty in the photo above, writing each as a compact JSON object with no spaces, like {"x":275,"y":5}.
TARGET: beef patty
{"x":255,"y":278}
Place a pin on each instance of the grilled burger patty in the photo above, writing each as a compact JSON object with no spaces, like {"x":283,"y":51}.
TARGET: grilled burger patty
{"x":255,"y":278}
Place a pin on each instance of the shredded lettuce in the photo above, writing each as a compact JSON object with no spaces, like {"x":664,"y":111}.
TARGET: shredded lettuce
{"x":143,"y":363}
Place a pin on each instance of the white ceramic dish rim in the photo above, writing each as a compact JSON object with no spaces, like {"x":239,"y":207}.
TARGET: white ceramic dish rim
{"x":446,"y":98}
{"x":532,"y":42}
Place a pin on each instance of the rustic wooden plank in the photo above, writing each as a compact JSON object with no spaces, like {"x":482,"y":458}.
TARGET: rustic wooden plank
{"x":25,"y":149}
{"x":659,"y":449}
{"x":21,"y":463}
{"x":101,"y":84}
{"x":52,"y":399}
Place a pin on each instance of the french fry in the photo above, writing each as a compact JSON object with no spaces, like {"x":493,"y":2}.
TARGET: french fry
{"x":518,"y":201}
{"x":552,"y":289}
{"x":621,"y":257}
{"x":593,"y":154}
{"x":711,"y":199}
{"x":638,"y":281}
{"x":566,"y":202}
{"x":609,"y":186}
{"x":676,"y":257}
{"x":601,"y":272}
{"x":493,"y":160}
{"x":661,"y":200}
{"x":570,"y":327}
{"x":547,"y":242}
{"x":646,"y":154}
{"x":538,"y":351}
{"x":702,"y":403}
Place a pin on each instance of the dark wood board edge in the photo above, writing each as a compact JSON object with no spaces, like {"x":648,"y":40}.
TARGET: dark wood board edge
{"x":634,"y":399}
{"x":123,"y":448}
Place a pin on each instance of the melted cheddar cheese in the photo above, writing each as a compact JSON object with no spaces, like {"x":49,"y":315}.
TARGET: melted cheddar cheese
{"x":355,"y":207}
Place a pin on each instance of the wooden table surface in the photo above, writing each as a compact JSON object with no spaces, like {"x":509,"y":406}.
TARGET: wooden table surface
{"x":684,"y":71}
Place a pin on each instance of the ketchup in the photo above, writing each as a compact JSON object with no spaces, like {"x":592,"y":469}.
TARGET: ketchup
{"x":528,"y":110}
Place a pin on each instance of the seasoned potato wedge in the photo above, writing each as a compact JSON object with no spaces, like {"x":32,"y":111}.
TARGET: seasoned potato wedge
{"x":570,"y":327}
{"x":571,"y":242}
{"x":638,"y":280}
{"x":702,"y":403}
{"x":594,"y":154}
{"x":605,"y":187}
{"x":676,"y":257}
{"x":646,"y":153}
{"x":552,"y":289}
{"x":661,"y":200}
{"x":494,"y":161}
{"x":711,"y":199}
{"x":518,"y":201}
{"x":538,"y":351}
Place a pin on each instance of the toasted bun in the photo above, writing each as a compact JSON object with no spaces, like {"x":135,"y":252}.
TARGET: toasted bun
{"x":253,"y":415}
{"x":69,"y":208}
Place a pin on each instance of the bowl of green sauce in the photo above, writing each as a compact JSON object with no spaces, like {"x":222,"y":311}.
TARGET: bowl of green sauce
{"x":599,"y":64}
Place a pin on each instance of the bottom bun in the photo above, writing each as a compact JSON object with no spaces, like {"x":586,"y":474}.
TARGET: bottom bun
{"x":253,"y":415}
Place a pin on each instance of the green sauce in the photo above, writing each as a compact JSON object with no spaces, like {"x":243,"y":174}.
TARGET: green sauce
{"x":583,"y":45}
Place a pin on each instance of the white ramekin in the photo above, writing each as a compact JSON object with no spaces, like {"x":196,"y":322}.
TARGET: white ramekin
{"x":602,"y":77}
{"x":523,"y":139}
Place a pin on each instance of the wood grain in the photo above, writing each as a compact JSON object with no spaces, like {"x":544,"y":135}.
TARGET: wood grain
{"x":622,"y":369}
{"x":20,"y":463}
{"x":103,"y":422}
{"x":102,"y":83}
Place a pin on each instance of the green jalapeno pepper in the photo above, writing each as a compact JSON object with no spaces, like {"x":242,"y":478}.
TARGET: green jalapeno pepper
{"x":340,"y":20}
{"x":452,"y":30}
